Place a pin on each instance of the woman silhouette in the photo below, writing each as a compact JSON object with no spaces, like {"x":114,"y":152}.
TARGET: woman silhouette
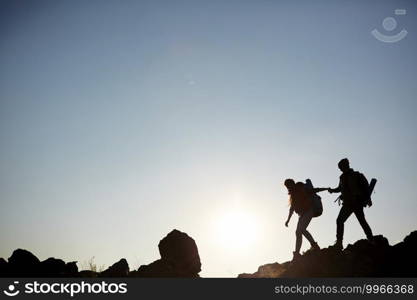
{"x":301,"y":203}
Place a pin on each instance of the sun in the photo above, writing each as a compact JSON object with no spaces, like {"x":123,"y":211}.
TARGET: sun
{"x":237,"y":230}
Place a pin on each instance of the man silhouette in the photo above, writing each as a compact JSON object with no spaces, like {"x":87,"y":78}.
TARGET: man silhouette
{"x":352,"y":201}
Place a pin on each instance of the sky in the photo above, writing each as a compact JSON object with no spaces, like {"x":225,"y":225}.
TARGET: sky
{"x":123,"y":120}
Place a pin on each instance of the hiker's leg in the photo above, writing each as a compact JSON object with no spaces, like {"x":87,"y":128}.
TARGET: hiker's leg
{"x":306,"y":221}
{"x":361,"y":218}
{"x":298,"y":236}
{"x":344,"y":214}
{"x":303,"y":222}
{"x":309,"y":237}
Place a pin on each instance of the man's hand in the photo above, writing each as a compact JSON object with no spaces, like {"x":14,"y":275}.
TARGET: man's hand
{"x":286,"y":223}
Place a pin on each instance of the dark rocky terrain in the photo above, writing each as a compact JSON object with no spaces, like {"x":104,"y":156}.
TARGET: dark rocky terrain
{"x":179,"y":258}
{"x":361,"y":259}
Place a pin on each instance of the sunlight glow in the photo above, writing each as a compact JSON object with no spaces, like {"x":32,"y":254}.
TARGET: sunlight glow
{"x":237,"y":231}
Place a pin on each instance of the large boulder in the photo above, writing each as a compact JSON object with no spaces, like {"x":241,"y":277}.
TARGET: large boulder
{"x":181,"y":252}
{"x":23,"y":263}
{"x":118,"y":269}
{"x":179,"y":258}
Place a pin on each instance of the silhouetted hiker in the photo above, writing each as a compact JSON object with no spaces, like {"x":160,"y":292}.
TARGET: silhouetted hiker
{"x":355,"y":196}
{"x":301,"y":201}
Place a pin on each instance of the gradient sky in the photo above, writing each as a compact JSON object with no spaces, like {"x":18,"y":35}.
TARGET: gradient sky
{"x":122,"y":120}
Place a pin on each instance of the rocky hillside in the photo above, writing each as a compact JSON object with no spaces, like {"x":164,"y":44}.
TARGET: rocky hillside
{"x":179,"y":258}
{"x":362,"y":259}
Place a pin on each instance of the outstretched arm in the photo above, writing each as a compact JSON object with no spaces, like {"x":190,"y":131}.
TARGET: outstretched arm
{"x":335,"y":190}
{"x":311,"y":189}
{"x":289,"y":216}
{"x":318,"y":190}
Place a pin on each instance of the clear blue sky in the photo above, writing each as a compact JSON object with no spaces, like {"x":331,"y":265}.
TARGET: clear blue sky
{"x":122,"y":120}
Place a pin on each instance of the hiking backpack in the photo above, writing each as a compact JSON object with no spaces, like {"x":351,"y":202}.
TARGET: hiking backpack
{"x":301,"y":198}
{"x":315,"y":199}
{"x":365,"y":188}
{"x":317,"y":205}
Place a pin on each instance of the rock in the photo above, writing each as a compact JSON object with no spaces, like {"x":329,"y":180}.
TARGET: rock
{"x":158,"y":268}
{"x":368,"y":259}
{"x":23,"y":263}
{"x":273,"y":270}
{"x":87,"y":274}
{"x":119,"y":269}
{"x":71,"y":269}
{"x":403,"y":262}
{"x":317,"y":263}
{"x":133,"y":274}
{"x":411,"y":240}
{"x":52,"y":267}
{"x":179,"y":258}
{"x":4,"y":268}
{"x":361,"y":259}
{"x":181,"y":252}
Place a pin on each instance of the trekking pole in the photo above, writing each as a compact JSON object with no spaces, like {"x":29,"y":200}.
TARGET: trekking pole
{"x":372,"y":185}
{"x":371,"y":189}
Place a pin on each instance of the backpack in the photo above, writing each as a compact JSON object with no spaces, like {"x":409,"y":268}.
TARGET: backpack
{"x":317,"y":205}
{"x":301,"y":198}
{"x":315,"y":199}
{"x":364,"y":188}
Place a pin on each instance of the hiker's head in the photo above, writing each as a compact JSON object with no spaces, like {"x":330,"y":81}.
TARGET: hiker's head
{"x":344,"y":165}
{"x":290,"y":184}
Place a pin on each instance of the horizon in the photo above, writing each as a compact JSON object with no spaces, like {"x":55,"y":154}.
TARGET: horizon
{"x":123,"y":121}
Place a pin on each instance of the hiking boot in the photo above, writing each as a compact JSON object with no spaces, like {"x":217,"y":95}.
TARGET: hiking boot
{"x":315,"y":246}
{"x":338,"y":245}
{"x":371,"y":240}
{"x":296,"y":256}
